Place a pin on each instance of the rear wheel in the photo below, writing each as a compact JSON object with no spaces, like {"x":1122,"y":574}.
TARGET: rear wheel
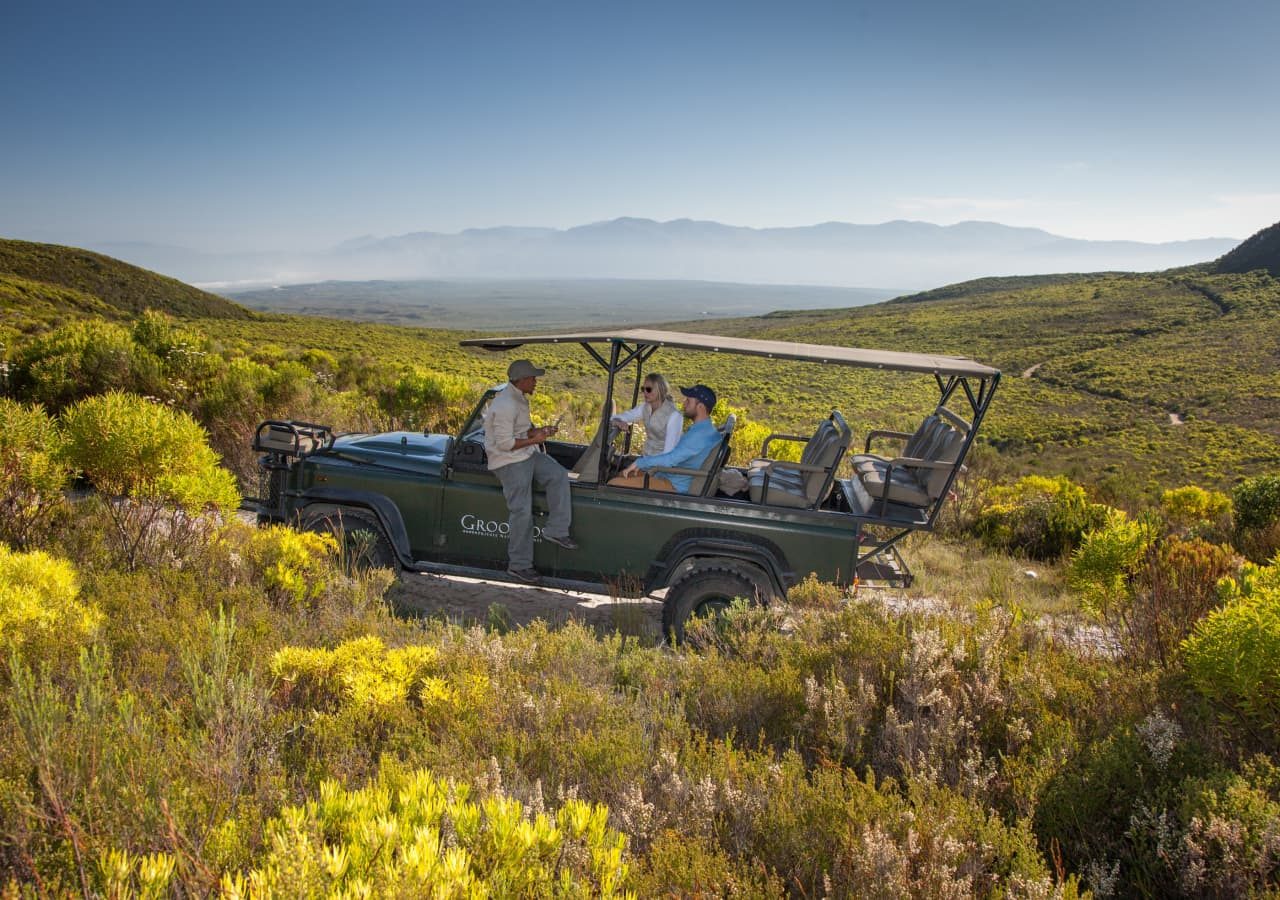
{"x":709,"y":589}
{"x":361,"y":540}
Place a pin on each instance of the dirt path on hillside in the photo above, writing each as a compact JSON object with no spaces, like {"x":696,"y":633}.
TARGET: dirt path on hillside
{"x":1175,"y":419}
{"x":1029,"y":372}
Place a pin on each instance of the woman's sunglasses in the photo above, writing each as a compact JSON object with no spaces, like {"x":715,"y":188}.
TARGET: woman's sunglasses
{"x":648,"y":389}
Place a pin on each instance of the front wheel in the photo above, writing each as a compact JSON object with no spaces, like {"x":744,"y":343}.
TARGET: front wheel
{"x":708,"y":590}
{"x":361,"y":541}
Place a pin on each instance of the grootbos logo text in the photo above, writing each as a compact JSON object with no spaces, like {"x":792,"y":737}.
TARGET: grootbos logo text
{"x":489,"y":527}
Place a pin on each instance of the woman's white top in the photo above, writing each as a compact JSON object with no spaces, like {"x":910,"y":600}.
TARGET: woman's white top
{"x":662,"y":428}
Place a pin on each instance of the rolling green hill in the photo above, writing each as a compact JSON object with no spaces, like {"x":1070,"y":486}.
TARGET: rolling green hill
{"x":71,"y":275}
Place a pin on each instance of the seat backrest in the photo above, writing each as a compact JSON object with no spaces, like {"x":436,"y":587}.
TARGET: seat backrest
{"x":710,"y":466}
{"x":932,"y":442}
{"x":947,"y":451}
{"x":730,"y":422}
{"x":834,"y":439}
{"x":925,"y":433}
{"x":817,"y":446}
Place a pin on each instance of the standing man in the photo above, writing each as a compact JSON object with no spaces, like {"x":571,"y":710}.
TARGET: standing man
{"x":511,"y":444}
{"x":690,"y":453}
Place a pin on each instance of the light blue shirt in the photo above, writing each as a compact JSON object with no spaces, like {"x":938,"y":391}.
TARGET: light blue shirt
{"x":693,"y":448}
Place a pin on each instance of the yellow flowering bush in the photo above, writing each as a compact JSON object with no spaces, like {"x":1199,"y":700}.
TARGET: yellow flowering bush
{"x":125,"y":875}
{"x":412,"y":835}
{"x":40,"y":609}
{"x":1193,"y":510}
{"x":297,"y":565}
{"x":363,"y":675}
{"x":749,"y":436}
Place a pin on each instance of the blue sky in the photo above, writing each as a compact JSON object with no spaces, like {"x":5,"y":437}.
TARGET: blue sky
{"x":273,"y":125}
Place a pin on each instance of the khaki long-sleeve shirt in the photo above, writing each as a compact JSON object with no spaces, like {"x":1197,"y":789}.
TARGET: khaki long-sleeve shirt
{"x":506,"y":421}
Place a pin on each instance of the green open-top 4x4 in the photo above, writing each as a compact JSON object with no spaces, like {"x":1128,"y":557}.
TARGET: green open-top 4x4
{"x":428,"y":502}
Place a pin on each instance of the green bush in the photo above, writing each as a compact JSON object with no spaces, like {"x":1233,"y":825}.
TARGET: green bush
{"x":155,"y":472}
{"x":185,"y":355}
{"x":1148,"y":591}
{"x":32,"y":473}
{"x":131,"y":447}
{"x":1257,"y":517}
{"x":1043,"y":518}
{"x":419,"y":400}
{"x":1257,"y":501}
{"x":82,"y":359}
{"x":1104,"y":565}
{"x":683,"y":865}
{"x":1233,"y":656}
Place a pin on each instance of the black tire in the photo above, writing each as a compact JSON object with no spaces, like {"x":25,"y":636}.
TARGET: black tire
{"x":361,"y":540}
{"x":708,"y":589}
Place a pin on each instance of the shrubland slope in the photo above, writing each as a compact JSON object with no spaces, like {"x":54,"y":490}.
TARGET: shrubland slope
{"x":1131,"y":382}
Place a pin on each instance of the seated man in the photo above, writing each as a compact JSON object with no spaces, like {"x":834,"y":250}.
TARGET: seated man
{"x":701,"y":438}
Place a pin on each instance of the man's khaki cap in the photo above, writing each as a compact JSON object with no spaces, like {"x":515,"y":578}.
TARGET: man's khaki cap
{"x":522,"y":368}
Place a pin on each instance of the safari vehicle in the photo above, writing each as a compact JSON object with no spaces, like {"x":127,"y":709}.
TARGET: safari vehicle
{"x":428,"y":502}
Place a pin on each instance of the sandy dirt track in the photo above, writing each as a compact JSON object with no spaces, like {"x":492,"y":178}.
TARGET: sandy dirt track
{"x":468,"y":601}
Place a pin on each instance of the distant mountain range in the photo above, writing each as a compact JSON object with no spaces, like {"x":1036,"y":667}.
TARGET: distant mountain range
{"x":900,"y":255}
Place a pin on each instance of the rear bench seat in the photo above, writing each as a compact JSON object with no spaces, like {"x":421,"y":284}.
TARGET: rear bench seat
{"x":918,"y":477}
{"x":802,"y":485}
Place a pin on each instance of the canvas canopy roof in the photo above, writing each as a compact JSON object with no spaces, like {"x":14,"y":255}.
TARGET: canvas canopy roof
{"x":819,"y":353}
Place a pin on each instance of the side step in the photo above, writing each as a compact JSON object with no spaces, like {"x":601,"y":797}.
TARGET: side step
{"x":883,"y":567}
{"x":548,"y":582}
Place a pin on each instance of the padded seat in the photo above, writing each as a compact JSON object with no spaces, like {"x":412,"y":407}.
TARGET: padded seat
{"x":920,"y":475}
{"x":802,"y":485}
{"x":915,"y":442}
{"x":706,"y":476}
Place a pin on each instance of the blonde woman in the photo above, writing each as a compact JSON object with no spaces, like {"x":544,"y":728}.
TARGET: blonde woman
{"x":658,"y":413}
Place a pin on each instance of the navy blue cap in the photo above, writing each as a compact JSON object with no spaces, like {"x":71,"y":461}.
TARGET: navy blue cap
{"x":702,"y":394}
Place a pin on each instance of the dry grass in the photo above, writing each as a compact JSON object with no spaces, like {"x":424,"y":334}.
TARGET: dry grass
{"x":962,"y":575}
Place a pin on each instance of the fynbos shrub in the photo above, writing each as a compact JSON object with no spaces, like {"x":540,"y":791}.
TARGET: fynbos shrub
{"x":1193,"y":511}
{"x":295,"y":565}
{"x":1148,"y":591}
{"x":41,"y":615}
{"x":1233,"y":656}
{"x":414,"y":835}
{"x":1040,"y":517}
{"x":82,"y":359}
{"x":1257,"y":517}
{"x":159,"y":465}
{"x":32,"y":473}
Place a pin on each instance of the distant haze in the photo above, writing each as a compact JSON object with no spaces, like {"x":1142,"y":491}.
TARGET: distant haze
{"x":898,"y":255}
{"x":542,"y":304}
